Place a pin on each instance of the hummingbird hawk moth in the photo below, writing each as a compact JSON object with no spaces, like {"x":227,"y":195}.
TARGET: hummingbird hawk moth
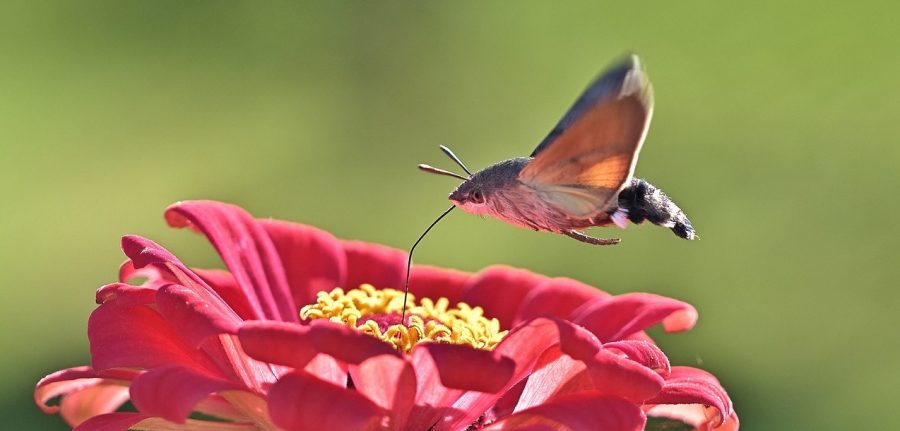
{"x":581,"y":174}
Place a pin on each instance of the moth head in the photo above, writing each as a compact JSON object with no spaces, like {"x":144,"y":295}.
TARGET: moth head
{"x":470,"y":196}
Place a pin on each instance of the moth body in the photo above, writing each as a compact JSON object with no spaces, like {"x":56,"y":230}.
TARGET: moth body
{"x":497,"y":191}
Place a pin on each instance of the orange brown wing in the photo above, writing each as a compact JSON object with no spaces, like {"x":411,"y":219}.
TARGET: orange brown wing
{"x":596,"y":143}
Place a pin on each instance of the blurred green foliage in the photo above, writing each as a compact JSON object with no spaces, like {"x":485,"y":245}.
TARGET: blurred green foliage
{"x":775,"y":130}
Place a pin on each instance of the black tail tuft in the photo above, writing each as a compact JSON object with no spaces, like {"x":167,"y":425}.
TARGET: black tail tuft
{"x":684,"y":229}
{"x":646,"y":202}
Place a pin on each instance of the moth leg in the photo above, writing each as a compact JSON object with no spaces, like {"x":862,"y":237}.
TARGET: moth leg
{"x":591,"y":240}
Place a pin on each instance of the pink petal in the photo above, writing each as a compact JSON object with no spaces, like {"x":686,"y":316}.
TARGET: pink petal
{"x":346,"y":344}
{"x":125,"y":294}
{"x":617,"y":317}
{"x":463,"y":367}
{"x":302,"y":402}
{"x":171,"y":392}
{"x":295,"y":345}
{"x":432,"y":282}
{"x":72,"y":382}
{"x":328,"y":369}
{"x":577,"y":412}
{"x":622,"y":377}
{"x":138,"y":337}
{"x":247,"y":251}
{"x":375,"y":264}
{"x":605,"y":374}
{"x":644,"y":353}
{"x":313,"y":259}
{"x":433,"y":400}
{"x":389,"y":382}
{"x":235,"y":365}
{"x":277,"y":342}
{"x":226,"y":286}
{"x":499,"y":290}
{"x":147,"y":255}
{"x":688,"y":385}
{"x":506,"y":405}
{"x":127,"y":421}
{"x":195,"y":317}
{"x":556,"y":297}
{"x":84,"y":404}
{"x":527,"y":344}
{"x":144,"y":253}
{"x":529,"y":340}
{"x":111,"y":422}
{"x":557,"y":377}
{"x":153,"y":276}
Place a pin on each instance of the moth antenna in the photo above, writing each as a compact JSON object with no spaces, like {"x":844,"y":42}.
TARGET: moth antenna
{"x":452,"y":156}
{"x":409,"y":262}
{"x":434,"y":170}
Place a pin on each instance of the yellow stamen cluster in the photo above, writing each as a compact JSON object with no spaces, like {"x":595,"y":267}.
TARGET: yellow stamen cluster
{"x":428,"y":321}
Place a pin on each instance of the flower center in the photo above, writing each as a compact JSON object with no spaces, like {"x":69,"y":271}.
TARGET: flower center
{"x":377,"y":312}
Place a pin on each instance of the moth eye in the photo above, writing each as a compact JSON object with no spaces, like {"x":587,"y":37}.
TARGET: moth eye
{"x":477,"y":197}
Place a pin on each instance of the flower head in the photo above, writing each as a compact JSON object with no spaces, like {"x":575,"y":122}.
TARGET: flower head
{"x":303,"y":332}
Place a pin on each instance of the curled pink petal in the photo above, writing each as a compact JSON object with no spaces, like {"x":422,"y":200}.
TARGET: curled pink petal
{"x":146,"y":254}
{"x":295,"y":345}
{"x":622,"y":377}
{"x":277,"y":342}
{"x":617,"y":317}
{"x":577,"y":412}
{"x":378,"y":265}
{"x":247,"y":251}
{"x":644,"y":353}
{"x":556,"y":297}
{"x":301,"y":402}
{"x":346,"y":344}
{"x":462,"y":367}
{"x":81,"y":405}
{"x":84,"y":392}
{"x":171,"y":392}
{"x":125,"y":294}
{"x":687,"y":385}
{"x":149,"y":276}
{"x":313,"y":259}
{"x":500,"y":290}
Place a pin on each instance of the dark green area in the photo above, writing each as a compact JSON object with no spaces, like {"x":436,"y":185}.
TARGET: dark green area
{"x":775,"y":129}
{"x":657,"y":424}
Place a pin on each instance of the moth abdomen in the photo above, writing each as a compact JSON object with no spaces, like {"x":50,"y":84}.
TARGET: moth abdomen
{"x":644,"y":201}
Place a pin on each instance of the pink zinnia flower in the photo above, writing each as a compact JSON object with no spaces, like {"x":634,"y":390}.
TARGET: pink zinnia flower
{"x":503,"y":349}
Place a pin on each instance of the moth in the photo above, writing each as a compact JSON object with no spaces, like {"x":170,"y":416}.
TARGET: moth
{"x":581,"y":174}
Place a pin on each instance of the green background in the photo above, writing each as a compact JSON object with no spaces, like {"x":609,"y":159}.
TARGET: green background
{"x":775,"y":129}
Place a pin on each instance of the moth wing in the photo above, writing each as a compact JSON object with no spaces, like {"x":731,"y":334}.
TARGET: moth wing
{"x":596,"y":144}
{"x":575,"y":201}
